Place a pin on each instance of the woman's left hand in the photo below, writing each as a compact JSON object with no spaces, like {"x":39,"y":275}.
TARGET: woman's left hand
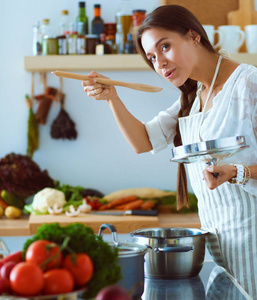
{"x":224,"y":172}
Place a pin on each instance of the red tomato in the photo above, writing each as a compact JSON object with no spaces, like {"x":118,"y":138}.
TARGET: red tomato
{"x":6,"y":269}
{"x":42,"y":250}
{"x":81,"y":267}
{"x":58,"y":281}
{"x":27,"y":279}
{"x":5,"y":286}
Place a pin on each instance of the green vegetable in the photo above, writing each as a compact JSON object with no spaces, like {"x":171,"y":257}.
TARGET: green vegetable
{"x":83,"y":239}
{"x":12,"y":199}
{"x":33,"y":132}
{"x":72,"y":193}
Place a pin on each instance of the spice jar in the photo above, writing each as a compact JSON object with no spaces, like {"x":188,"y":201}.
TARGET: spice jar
{"x":91,"y":41}
{"x":138,"y":17}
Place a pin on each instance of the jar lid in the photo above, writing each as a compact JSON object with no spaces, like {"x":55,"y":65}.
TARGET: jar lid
{"x":92,"y":36}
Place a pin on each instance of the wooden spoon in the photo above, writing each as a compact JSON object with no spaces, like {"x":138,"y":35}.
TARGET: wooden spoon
{"x":135,"y":86}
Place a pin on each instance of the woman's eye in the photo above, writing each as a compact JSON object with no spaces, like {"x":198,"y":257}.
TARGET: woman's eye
{"x":165,"y":47}
{"x":152,"y":58}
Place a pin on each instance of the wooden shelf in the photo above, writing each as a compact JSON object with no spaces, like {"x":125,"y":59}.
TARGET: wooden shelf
{"x":85,"y":62}
{"x":108,"y":62}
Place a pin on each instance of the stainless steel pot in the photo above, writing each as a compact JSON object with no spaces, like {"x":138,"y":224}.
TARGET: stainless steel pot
{"x":131,"y":261}
{"x":176,"y":252}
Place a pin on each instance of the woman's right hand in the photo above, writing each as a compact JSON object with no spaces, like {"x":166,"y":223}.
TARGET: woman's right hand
{"x":97,"y":90}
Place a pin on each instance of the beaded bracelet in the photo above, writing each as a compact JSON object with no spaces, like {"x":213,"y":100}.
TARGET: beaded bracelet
{"x":248,"y":173}
{"x":241,"y":176}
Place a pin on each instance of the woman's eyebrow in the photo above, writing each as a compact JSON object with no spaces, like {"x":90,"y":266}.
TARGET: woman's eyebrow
{"x":156,"y":44}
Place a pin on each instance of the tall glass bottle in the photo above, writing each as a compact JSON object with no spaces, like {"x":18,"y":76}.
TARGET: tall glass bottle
{"x":124,"y":20}
{"x":37,"y":40}
{"x":97,"y":22}
{"x":82,"y":17}
{"x":64,"y":22}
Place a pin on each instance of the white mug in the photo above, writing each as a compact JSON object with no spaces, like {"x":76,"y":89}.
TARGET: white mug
{"x":233,"y":37}
{"x":251,"y":38}
{"x":210,"y":31}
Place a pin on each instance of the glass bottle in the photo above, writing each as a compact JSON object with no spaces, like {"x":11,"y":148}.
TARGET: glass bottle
{"x":64,"y":22}
{"x":72,"y":39}
{"x":37,"y":40}
{"x":82,"y":17}
{"x":124,"y":20}
{"x":81,"y":40}
{"x":102,"y":47}
{"x":97,"y":22}
{"x":49,"y":41}
{"x":130,"y":46}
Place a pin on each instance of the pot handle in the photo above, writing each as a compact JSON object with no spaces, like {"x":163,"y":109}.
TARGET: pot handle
{"x":113,"y":230}
{"x":174,"y":249}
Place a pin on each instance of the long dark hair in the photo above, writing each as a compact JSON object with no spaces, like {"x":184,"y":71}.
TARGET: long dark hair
{"x":177,"y":19}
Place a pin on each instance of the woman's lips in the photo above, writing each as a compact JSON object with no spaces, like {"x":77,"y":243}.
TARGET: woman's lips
{"x":169,"y":74}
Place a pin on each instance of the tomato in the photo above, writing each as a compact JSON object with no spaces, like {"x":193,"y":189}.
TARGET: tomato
{"x":58,"y":281}
{"x":6,"y":269}
{"x":81,"y":267}
{"x":42,"y":250}
{"x":5,"y":286}
{"x":27,"y":279}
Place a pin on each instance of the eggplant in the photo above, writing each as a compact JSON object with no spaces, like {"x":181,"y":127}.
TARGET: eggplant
{"x":92,"y":192}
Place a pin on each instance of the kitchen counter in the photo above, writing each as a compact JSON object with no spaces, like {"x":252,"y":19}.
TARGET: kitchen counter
{"x":124,"y":224}
{"x":211,"y":283}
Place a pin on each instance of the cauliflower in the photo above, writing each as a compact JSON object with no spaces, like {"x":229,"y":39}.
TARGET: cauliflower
{"x":48,"y":197}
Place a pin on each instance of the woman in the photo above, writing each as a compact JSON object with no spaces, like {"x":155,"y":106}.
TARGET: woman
{"x":218,"y":99}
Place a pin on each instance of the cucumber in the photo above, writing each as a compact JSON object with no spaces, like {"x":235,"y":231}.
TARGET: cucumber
{"x":12,"y":199}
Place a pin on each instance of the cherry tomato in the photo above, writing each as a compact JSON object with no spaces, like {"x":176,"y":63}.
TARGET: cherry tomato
{"x":81,"y":267}
{"x":42,"y":250}
{"x":58,"y":281}
{"x":27,"y":279}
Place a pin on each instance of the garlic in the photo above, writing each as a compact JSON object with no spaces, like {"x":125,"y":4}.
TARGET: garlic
{"x":84,"y":207}
{"x":54,"y":210}
{"x":72,"y":212}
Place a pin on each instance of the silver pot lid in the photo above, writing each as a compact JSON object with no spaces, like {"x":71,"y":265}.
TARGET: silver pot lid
{"x":168,"y":232}
{"x":130,"y":249}
{"x":208,"y":151}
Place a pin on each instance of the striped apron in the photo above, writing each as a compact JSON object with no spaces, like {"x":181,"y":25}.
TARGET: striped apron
{"x":228,"y":212}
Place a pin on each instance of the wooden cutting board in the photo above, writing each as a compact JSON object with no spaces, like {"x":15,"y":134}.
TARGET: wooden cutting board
{"x":244,"y":15}
{"x":123,"y":224}
{"x":209,"y":12}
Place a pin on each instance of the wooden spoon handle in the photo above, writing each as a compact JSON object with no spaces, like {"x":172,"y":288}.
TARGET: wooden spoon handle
{"x":135,"y":86}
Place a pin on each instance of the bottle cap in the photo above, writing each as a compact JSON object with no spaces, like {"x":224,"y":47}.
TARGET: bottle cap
{"x":65,"y":12}
{"x":82,"y":4}
{"x":97,"y":6}
{"x":45,"y":21}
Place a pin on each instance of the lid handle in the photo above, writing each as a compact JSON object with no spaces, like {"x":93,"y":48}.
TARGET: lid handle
{"x":113,"y":230}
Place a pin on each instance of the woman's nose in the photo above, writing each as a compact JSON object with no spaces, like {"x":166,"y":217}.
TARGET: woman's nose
{"x":161,"y":62}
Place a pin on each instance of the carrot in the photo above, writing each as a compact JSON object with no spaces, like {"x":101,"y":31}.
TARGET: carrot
{"x":120,"y":206}
{"x":148,"y":204}
{"x":117,"y":202}
{"x":134,"y":205}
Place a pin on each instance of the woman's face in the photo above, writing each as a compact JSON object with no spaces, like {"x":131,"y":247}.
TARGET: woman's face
{"x":172,"y":55}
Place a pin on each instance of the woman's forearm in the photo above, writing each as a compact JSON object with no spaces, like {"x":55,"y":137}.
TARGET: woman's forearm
{"x":133,"y":130}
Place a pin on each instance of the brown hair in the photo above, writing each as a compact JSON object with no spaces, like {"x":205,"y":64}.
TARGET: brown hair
{"x":178,"y":19}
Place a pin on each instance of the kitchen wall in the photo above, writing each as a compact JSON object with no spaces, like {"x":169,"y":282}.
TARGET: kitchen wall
{"x":100,"y":157}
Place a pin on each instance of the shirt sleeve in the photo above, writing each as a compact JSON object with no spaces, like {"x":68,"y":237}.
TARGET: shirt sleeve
{"x":162,"y":128}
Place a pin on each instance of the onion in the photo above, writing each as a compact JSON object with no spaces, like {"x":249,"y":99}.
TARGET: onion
{"x":113,"y":292}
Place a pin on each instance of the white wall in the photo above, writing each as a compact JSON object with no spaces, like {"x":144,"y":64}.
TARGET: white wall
{"x":100,"y":157}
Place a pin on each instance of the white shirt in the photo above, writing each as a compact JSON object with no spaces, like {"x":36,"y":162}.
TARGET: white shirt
{"x":234,"y":113}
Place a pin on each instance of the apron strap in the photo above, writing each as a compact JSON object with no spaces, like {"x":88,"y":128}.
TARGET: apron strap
{"x":210,"y":91}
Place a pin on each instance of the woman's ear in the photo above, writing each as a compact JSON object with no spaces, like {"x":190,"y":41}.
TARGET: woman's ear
{"x":194,"y":36}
